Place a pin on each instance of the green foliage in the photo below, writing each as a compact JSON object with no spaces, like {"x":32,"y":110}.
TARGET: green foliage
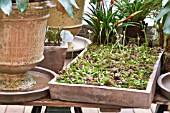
{"x":112,"y":65}
{"x":22,"y":5}
{"x":68,"y":6}
{"x":164,"y":14}
{"x":6,"y":5}
{"x":53,"y":37}
{"x":127,"y":7}
{"x":104,"y":21}
{"x":58,"y":37}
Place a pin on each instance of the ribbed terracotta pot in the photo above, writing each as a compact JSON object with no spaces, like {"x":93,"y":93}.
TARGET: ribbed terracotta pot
{"x":60,"y":18}
{"x":22,"y":44}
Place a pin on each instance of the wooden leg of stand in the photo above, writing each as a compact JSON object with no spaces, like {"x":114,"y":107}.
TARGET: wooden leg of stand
{"x":36,"y":109}
{"x":161,"y":108}
{"x":78,"y":110}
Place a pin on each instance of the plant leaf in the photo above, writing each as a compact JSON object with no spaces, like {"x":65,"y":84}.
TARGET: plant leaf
{"x":67,"y":6}
{"x":167,"y":25}
{"x":6,"y":6}
{"x":22,"y":5}
{"x":163,"y":12}
{"x":73,"y":2}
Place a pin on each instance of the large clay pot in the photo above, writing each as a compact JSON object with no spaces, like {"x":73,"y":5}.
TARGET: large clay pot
{"x":60,"y":18}
{"x":22,"y":44}
{"x":135,"y":32}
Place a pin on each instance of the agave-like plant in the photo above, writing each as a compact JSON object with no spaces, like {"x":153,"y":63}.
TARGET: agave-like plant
{"x":68,"y":6}
{"x":6,"y":5}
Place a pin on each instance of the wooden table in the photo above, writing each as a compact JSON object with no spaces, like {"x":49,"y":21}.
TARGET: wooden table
{"x":163,"y":103}
{"x":47,"y":101}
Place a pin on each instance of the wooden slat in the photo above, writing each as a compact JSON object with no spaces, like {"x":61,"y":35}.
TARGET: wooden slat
{"x":43,"y":109}
{"x":142,"y":111}
{"x":2,"y":108}
{"x":103,"y":110}
{"x":15,"y":109}
{"x":28,"y":109}
{"x":47,"y":101}
{"x":159,"y":99}
{"x":72,"y":110}
{"x":90,"y":110}
{"x":126,"y":111}
{"x":169,"y":108}
{"x":153,"y":107}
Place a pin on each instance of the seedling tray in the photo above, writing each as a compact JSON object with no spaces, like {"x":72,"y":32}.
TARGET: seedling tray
{"x":107,"y":95}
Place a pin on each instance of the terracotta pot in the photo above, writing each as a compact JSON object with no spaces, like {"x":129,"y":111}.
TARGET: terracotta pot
{"x":135,"y":32}
{"x":54,"y":57}
{"x":60,"y":18}
{"x":22,"y":44}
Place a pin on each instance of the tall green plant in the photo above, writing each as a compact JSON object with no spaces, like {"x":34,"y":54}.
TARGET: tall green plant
{"x":127,"y":7}
{"x":164,"y":14}
{"x":163,"y":18}
{"x":105,"y":21}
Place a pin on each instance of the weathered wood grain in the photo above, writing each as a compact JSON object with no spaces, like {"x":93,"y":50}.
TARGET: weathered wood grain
{"x":15,"y":109}
{"x":28,"y":109}
{"x":3,"y":108}
{"x":142,"y":111}
{"x":127,"y":111}
{"x":90,"y":110}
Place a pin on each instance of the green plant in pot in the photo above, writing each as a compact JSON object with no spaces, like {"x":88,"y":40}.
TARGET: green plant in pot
{"x":56,"y":44}
{"x":68,"y":15}
{"x":163,"y":19}
{"x":145,"y":9}
{"x":23,"y":24}
{"x":122,"y":73}
{"x":105,"y":21}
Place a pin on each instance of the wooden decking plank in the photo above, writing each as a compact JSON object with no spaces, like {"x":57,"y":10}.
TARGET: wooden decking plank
{"x":3,"y":108}
{"x":142,"y":110}
{"x":153,"y":107}
{"x":28,"y":109}
{"x":43,"y":109}
{"x":126,"y":111}
{"x":90,"y":110}
{"x":15,"y":109}
{"x":113,"y":110}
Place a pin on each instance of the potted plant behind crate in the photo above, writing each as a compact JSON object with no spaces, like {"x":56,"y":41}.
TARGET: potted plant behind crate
{"x":56,"y":44}
{"x":22,"y":25}
{"x":68,"y":15}
{"x":109,"y":72}
{"x":163,"y":19}
{"x":146,"y":9}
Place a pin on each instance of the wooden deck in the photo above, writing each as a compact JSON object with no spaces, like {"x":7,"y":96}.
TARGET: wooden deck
{"x":27,"y":109}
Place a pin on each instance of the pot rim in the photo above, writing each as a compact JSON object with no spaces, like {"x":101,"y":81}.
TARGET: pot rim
{"x":159,"y":81}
